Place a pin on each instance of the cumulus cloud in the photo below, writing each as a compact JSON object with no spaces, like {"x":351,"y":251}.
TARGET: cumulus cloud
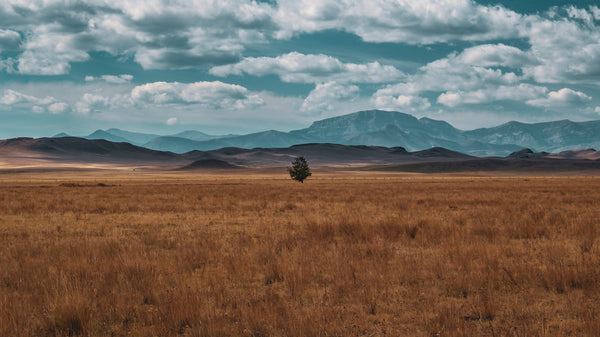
{"x":495,"y":55}
{"x":564,"y":49}
{"x":212,"y":94}
{"x":8,"y":65}
{"x":478,"y":75}
{"x":301,"y":68}
{"x":520,"y":93}
{"x":596,"y":12}
{"x":325,"y":95}
{"x":46,"y":37}
{"x":50,"y":35}
{"x":482,"y":73}
{"x":9,"y":40}
{"x":12,"y":98}
{"x":529,"y":94}
{"x":564,"y":97}
{"x":47,"y":52}
{"x":115,"y":79}
{"x":58,"y":107}
{"x":467,"y":70}
{"x":406,"y":21}
{"x":406,"y":103}
{"x":91,"y":103}
{"x":567,"y":50}
{"x":160,"y":35}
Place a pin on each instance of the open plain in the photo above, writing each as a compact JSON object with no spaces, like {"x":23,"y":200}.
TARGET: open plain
{"x":249,"y":253}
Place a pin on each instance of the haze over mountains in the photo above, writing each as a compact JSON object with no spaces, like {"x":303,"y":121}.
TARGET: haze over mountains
{"x":384,"y":128}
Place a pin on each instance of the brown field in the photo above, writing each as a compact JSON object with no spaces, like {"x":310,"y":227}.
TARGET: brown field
{"x":94,"y":253}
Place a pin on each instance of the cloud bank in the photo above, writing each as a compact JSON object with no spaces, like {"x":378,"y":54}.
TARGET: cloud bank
{"x":494,"y":57}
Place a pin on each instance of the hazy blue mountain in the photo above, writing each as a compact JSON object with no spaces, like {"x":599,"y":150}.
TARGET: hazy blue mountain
{"x":442,"y":129}
{"x":391,"y":135}
{"x":392,"y":128}
{"x":549,"y":136}
{"x":101,"y":134}
{"x":389,"y":129}
{"x":349,"y":126}
{"x":196,"y":135}
{"x":136,"y":138}
{"x":354,"y":124}
{"x":269,"y":138}
{"x":59,"y":135}
{"x":173,"y":144}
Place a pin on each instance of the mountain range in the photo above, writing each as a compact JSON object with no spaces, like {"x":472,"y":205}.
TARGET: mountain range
{"x":383,"y":128}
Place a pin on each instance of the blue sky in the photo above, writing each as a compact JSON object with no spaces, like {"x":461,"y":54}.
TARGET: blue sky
{"x":239,"y":66}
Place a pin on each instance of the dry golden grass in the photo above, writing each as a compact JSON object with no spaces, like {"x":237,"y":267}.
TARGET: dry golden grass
{"x":337,"y":256}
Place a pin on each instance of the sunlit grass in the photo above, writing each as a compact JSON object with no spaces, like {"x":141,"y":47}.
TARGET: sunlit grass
{"x":336,"y":256}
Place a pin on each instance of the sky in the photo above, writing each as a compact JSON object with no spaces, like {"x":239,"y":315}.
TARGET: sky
{"x":241,"y":66}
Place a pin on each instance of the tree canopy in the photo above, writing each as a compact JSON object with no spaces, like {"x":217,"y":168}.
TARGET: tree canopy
{"x":299,"y":169}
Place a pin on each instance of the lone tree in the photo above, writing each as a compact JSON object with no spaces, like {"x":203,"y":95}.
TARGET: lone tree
{"x":299,"y":169}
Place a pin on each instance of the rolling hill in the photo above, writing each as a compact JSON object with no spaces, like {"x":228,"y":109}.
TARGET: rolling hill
{"x":81,"y":151}
{"x":51,"y":152}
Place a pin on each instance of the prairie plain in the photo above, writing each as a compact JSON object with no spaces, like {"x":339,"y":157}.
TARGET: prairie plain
{"x":99,"y":253}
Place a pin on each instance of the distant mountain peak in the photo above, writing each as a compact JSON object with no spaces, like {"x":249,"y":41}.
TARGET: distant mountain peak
{"x":385,"y":128}
{"x":101,"y":134}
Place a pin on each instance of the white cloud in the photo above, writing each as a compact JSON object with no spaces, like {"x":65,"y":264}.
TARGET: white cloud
{"x":567,"y":50}
{"x":455,"y":73}
{"x":405,"y":103}
{"x":212,"y":94}
{"x":325,"y":96}
{"x":8,"y":65}
{"x":9,"y":40}
{"x":159,"y":35}
{"x":581,"y":14}
{"x":472,"y":71}
{"x":406,"y":21}
{"x":12,"y":98}
{"x":37,"y":109}
{"x":596,"y":12}
{"x":115,"y":79}
{"x":564,"y":97}
{"x":300,"y":68}
{"x":59,"y":107}
{"x":495,"y":55}
{"x":529,"y":94}
{"x":171,"y":121}
{"x":49,"y":53}
{"x":520,"y":93}
{"x":187,"y":34}
{"x":560,"y":47}
{"x":91,"y":103}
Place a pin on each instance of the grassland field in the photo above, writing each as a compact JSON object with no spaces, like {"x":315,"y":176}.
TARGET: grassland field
{"x":122,"y":253}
